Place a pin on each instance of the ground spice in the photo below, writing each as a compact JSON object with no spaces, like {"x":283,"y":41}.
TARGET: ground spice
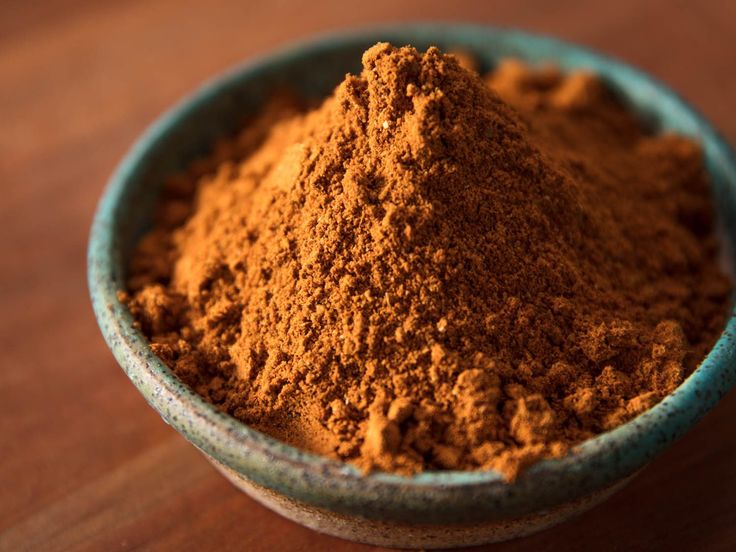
{"x":423,"y":273}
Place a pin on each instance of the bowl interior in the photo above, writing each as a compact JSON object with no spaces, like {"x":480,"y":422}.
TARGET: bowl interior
{"x":219,"y":108}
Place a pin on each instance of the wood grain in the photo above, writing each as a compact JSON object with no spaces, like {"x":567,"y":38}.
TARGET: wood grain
{"x":84,"y":463}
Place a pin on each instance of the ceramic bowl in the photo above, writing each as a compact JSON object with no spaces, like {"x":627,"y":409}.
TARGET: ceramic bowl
{"x":433,"y":509}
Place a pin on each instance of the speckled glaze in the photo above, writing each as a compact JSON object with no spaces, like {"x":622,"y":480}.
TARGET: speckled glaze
{"x":431,"y":509}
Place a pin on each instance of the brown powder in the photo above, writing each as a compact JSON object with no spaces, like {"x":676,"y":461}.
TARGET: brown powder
{"x":417,"y":275}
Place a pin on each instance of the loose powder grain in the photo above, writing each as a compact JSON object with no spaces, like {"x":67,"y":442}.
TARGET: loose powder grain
{"x":433,"y":271}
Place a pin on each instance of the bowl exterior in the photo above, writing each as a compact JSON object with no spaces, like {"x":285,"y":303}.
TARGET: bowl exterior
{"x":409,"y":535}
{"x":293,"y":481}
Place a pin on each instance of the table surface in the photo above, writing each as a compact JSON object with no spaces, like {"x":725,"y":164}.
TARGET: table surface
{"x":85,"y":464}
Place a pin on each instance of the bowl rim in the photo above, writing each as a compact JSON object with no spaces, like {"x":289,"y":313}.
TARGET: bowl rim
{"x":595,"y":463}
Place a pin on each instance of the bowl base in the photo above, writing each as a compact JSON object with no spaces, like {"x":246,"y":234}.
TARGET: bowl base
{"x":409,"y":535}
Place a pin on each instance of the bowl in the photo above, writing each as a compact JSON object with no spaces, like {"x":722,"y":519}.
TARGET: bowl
{"x":432,"y":509}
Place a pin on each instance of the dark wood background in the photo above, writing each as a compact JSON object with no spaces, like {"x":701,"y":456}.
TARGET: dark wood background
{"x":85,"y":464}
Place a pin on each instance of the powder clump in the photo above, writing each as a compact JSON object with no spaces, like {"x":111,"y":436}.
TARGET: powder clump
{"x":433,"y":271}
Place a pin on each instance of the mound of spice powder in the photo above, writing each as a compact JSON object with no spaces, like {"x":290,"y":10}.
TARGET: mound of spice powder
{"x":425,"y":273}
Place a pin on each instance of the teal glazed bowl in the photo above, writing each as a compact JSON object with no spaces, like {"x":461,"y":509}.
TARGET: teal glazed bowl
{"x":432,"y":509}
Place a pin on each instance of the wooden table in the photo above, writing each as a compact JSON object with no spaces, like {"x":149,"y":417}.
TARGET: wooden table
{"x":84,"y":463}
